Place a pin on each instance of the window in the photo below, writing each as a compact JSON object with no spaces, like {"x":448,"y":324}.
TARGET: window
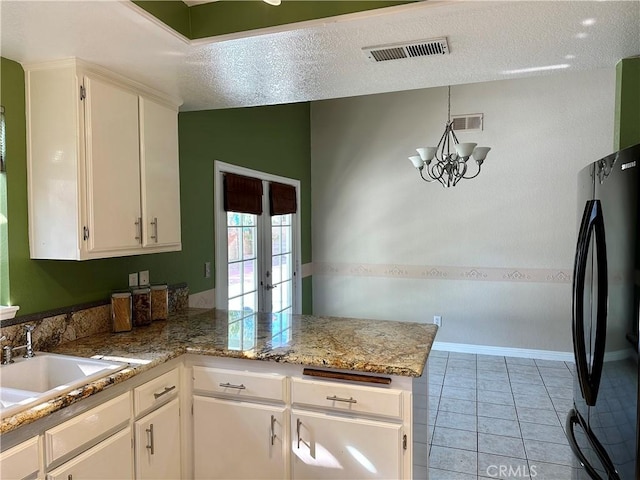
{"x":257,"y":256}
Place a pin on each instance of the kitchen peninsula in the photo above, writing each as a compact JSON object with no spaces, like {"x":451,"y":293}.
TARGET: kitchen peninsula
{"x":220,"y":367}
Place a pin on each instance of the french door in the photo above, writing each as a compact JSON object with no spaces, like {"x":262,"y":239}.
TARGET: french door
{"x":257,"y":258}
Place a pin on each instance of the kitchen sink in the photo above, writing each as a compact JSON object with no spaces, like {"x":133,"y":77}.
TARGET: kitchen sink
{"x":29,"y":381}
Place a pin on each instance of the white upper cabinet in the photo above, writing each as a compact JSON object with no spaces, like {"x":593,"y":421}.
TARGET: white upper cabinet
{"x":112,"y":167}
{"x":103,"y":171}
{"x":159,"y":168}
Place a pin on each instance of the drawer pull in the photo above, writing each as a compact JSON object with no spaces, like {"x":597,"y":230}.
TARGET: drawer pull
{"x":165,"y":391}
{"x":273,"y":431}
{"x":230,"y":385}
{"x":298,"y":425}
{"x":150,"y":432}
{"x":338,"y":399}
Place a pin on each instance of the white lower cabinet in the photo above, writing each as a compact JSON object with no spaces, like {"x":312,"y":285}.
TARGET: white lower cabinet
{"x":238,"y":439}
{"x":301,"y":428}
{"x":109,"y":459}
{"x":21,"y":461}
{"x":158,"y":443}
{"x":328,"y":446}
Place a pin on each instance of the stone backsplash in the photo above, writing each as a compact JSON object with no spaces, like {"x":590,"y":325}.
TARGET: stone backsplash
{"x":79,"y":321}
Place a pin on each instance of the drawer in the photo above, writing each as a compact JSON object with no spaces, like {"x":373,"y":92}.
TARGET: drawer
{"x":20,"y":461}
{"x":240,"y":384}
{"x":85,"y":428}
{"x":156,"y":392}
{"x":348,"y":398}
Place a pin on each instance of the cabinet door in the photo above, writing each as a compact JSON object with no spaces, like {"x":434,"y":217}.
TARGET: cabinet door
{"x":160,"y":174}
{"x":110,"y":459}
{"x":20,"y":461}
{"x":158,"y":443}
{"x":112,"y":166}
{"x":325,"y":446}
{"x":238,"y":439}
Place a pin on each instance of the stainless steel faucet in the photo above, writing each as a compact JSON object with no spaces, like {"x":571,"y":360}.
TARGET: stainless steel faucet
{"x":7,"y":351}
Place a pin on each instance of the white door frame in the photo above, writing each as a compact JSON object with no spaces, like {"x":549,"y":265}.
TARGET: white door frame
{"x":220,"y":226}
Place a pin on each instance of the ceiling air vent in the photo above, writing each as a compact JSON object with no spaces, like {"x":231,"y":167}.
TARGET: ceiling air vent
{"x":397,"y":51}
{"x":469,"y":122}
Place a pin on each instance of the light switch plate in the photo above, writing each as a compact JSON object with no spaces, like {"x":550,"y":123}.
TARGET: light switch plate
{"x":207,"y":269}
{"x":133,"y":279}
{"x":144,"y":277}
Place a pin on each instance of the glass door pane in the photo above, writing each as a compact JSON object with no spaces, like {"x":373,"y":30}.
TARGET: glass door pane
{"x":281,"y":264}
{"x":242,"y":278}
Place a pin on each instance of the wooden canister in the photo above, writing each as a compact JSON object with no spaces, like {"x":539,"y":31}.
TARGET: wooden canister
{"x":121,"y":311}
{"x":159,"y":302}
{"x":141,"y":307}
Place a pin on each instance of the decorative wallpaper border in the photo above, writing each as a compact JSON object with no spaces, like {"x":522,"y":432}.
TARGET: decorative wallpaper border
{"x":433,"y":272}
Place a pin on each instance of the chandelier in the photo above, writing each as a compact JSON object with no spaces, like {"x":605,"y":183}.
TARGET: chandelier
{"x":439,"y":163}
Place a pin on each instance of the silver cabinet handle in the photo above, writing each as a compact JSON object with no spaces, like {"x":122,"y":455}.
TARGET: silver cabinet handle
{"x":155,"y":229}
{"x":273,"y":432}
{"x":338,"y":399}
{"x":298,"y":425}
{"x":270,"y":287}
{"x":164,"y":392}
{"x":230,"y":385}
{"x":150,"y":432}
{"x":138,"y":223}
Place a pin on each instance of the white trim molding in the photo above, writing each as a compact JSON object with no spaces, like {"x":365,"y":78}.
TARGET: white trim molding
{"x":439,"y":272}
{"x":307,"y":270}
{"x":206,"y":299}
{"x":504,"y":351}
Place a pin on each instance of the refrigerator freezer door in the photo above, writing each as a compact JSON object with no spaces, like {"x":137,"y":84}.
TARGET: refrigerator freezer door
{"x":591,"y":455}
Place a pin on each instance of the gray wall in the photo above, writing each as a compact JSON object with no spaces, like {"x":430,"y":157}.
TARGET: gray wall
{"x":493,"y":255}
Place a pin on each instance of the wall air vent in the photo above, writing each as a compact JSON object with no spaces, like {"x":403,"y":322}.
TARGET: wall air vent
{"x":397,"y":51}
{"x":470,"y":122}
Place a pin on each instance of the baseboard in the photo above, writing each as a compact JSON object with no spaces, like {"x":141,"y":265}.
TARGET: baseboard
{"x":504,"y":351}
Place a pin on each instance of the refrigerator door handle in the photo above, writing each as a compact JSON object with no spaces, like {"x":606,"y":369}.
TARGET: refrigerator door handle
{"x":592,"y":222}
{"x":603,"y":300}
{"x":574,"y":418}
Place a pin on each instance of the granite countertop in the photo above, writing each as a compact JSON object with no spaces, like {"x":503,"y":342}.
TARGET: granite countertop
{"x":370,"y":346}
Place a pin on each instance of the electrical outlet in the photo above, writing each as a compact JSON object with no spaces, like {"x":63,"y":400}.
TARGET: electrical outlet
{"x":207,"y":269}
{"x":144,"y":277}
{"x":437,"y":319}
{"x":133,"y":279}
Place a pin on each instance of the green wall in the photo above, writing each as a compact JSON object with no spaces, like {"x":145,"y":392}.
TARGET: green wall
{"x":232,"y":16}
{"x":627,"y":116}
{"x":274,"y":139}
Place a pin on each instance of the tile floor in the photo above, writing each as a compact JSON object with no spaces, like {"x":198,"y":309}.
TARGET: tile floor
{"x":494,"y":417}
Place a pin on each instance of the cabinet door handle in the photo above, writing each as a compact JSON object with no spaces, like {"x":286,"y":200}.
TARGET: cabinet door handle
{"x":150,"y":432}
{"x":69,"y":477}
{"x":273,"y":431}
{"x":298,"y":425}
{"x":230,"y":385}
{"x":155,"y":229}
{"x":138,"y":223}
{"x":338,"y":399}
{"x":164,"y":392}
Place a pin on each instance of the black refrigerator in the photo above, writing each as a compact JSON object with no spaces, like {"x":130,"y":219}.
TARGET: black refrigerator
{"x":602,"y":427}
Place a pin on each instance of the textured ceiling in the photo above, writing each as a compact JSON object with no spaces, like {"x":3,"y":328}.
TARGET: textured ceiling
{"x":323,"y":59}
